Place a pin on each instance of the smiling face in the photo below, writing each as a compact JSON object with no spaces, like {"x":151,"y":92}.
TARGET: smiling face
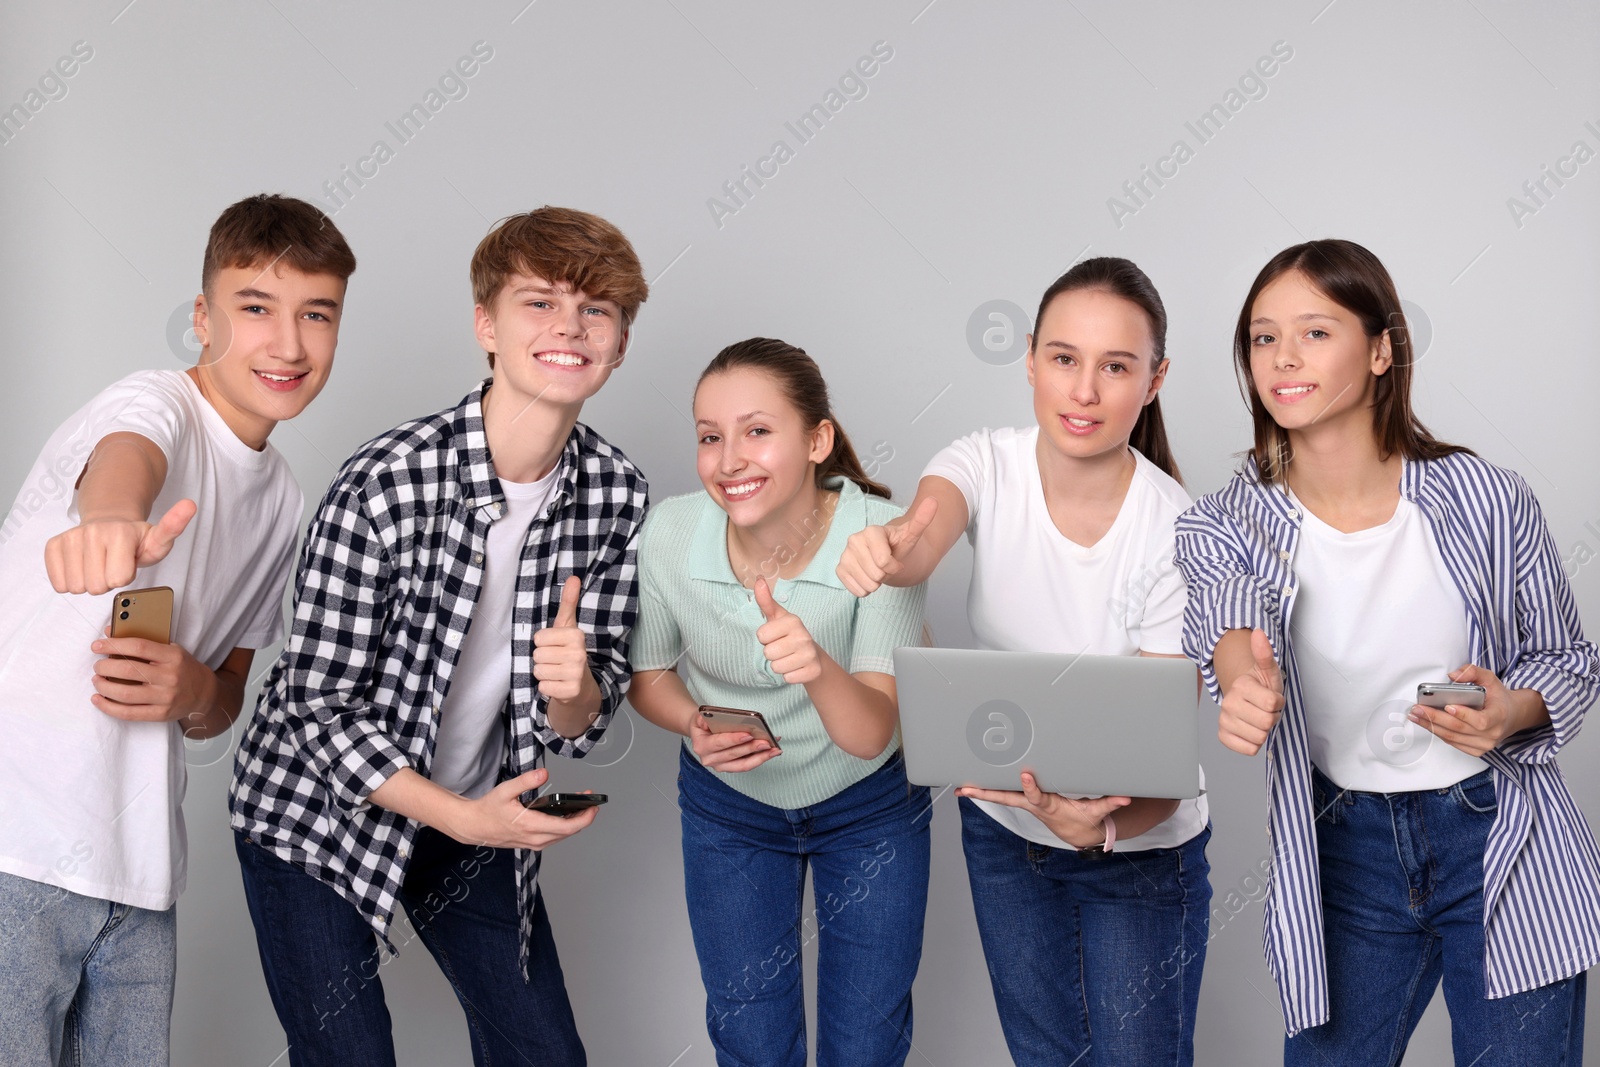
{"x":268,"y":337}
{"x":550,"y":343}
{"x":1091,"y":363}
{"x":1311,"y":361}
{"x":755,"y":457}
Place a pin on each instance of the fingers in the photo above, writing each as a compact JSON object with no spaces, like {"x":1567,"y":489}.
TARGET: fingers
{"x":135,"y":648}
{"x":527,"y":780}
{"x":769,"y":606}
{"x":747,"y":763}
{"x":158,"y":539}
{"x":567,"y":612}
{"x":1011,"y":798}
{"x":1097,"y":809}
{"x":906,"y":536}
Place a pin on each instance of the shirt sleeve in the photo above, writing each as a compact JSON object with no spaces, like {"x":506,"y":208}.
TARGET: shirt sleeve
{"x":1552,"y":657}
{"x":144,"y":404}
{"x":607,"y":610}
{"x":888,"y":618}
{"x":341,"y":594}
{"x":657,"y":641}
{"x":1224,"y":592}
{"x":968,"y":464}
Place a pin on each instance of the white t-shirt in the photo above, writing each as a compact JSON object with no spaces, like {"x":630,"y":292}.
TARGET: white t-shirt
{"x":1035,"y":590}
{"x":88,"y":802}
{"x":471,"y":742}
{"x":1377,"y":613}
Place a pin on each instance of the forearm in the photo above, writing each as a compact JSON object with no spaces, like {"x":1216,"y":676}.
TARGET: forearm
{"x":858,"y":718}
{"x":1528,"y":711}
{"x":121,"y":480}
{"x":1143,"y":815}
{"x":572,"y":718}
{"x":1231,"y":659}
{"x":662,"y":698}
{"x":410,"y":794}
{"x":219,"y":709}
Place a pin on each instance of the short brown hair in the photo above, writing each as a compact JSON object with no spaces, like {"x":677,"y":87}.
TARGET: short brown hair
{"x":562,"y":246}
{"x":270,"y":229}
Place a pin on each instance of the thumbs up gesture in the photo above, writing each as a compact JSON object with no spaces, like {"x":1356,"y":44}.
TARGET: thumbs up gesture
{"x":1253,"y":704}
{"x":561,"y":651}
{"x":878,"y":552}
{"x":99,"y":555}
{"x":786,"y":641}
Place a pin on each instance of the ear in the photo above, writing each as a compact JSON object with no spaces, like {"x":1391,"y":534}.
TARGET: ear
{"x":1157,"y":380}
{"x":1030,"y":359}
{"x":483,"y":328}
{"x":201,"y":318}
{"x":1382,"y":357}
{"x":821,"y":441}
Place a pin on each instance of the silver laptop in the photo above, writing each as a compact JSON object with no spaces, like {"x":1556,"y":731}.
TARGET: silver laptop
{"x":1084,"y":725}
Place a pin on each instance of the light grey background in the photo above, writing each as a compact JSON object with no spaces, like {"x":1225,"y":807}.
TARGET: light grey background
{"x":977,"y":167}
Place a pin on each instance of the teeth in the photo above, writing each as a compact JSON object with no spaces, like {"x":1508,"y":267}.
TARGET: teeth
{"x":742,"y":489}
{"x":277,"y":377}
{"x":1085,"y":423}
{"x":563,"y":359}
{"x":1294,"y":391}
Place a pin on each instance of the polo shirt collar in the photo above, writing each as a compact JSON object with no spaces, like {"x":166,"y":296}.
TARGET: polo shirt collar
{"x":708,"y":549}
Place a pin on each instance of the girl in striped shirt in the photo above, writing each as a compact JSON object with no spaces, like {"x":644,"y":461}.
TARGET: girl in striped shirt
{"x":1353,"y":559}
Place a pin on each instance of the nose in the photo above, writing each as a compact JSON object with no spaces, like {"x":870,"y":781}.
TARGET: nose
{"x":1286,"y":354}
{"x":289,"y":346}
{"x":732,"y":458}
{"x":1081,"y":387}
{"x":571,"y":323}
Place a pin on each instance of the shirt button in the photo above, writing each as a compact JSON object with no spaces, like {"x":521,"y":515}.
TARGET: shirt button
{"x":404,"y":853}
{"x":1293,"y":514}
{"x":1288,"y":590}
{"x":1283,"y":553}
{"x":477,"y":557}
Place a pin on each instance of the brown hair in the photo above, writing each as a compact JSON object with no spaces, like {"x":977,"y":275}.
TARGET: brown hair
{"x":801,"y":380}
{"x":271,"y":229}
{"x":1121,"y":278}
{"x":1357,"y":281}
{"x":565,"y":247}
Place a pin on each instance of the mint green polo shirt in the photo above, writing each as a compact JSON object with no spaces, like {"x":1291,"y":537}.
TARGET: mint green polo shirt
{"x":694,"y":614}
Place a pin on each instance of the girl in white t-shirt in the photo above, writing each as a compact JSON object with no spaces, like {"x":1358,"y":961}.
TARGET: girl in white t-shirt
{"x":1071,"y":525}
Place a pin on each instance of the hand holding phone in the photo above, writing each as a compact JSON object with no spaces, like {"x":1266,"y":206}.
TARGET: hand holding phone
{"x":731,"y":739}
{"x":1462,"y":694}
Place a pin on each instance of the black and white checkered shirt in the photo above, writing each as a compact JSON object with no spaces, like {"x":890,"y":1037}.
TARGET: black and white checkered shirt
{"x":389,"y":573}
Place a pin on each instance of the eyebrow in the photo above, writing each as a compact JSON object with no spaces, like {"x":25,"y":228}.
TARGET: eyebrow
{"x":1264,"y":321}
{"x":741,"y":418}
{"x":1115,"y":353}
{"x":260,"y":294}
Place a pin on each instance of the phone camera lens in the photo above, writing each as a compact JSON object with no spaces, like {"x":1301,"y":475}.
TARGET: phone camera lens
{"x":124,"y":615}
{"x":125,"y":603}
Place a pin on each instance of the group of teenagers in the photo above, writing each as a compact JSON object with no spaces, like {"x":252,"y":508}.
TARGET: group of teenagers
{"x":486,"y":584}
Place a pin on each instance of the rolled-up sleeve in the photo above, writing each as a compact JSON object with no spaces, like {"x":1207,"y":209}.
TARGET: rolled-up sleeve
{"x":333,"y":647}
{"x":1225,"y":593}
{"x":1553,"y":657}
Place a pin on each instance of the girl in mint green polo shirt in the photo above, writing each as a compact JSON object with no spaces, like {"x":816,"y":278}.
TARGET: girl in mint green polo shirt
{"x":740,"y":606}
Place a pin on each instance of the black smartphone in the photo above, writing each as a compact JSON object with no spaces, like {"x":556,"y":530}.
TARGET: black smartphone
{"x":565,"y":804}
{"x":738,"y":720}
{"x":1438,"y":694}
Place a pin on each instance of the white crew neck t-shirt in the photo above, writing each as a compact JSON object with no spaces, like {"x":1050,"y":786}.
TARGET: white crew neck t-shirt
{"x":1377,"y":613}
{"x":470,"y":744}
{"x":1035,"y":590}
{"x":89,"y":802}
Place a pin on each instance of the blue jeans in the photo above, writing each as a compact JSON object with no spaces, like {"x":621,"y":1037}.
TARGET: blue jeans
{"x":744,"y":869}
{"x":1402,"y":905}
{"x":321,"y":958}
{"x":1095,"y":961}
{"x":83,"y":980}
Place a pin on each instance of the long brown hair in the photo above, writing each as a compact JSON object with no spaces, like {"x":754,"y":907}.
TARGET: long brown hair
{"x":1121,"y":278}
{"x":1355,"y":279}
{"x":802,"y":383}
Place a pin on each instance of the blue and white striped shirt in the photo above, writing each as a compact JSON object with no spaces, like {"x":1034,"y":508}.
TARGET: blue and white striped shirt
{"x":1541,"y":865}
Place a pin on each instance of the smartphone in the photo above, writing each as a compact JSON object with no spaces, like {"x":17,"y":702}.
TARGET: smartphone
{"x":1438,"y":694}
{"x":566,"y":804}
{"x":737,"y":720}
{"x":145,"y":613}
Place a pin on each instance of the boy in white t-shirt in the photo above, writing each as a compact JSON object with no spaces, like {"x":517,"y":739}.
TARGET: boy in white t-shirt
{"x":163,"y":479}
